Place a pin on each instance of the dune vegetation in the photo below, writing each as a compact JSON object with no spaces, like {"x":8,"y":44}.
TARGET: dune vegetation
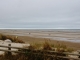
{"x":13,"y":39}
{"x":38,"y":46}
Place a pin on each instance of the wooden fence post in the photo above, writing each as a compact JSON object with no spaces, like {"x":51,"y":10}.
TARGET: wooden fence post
{"x":9,"y":53}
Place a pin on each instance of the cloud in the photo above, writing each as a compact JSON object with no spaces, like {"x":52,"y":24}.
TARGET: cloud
{"x":40,"y":14}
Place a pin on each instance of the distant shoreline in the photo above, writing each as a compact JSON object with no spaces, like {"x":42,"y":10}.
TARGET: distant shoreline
{"x":70,"y":35}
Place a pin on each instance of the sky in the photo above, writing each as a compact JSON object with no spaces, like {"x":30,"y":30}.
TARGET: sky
{"x":54,"y":14}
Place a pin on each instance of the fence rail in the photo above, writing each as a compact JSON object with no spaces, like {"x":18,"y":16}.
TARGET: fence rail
{"x":12,"y":47}
{"x":41,"y":52}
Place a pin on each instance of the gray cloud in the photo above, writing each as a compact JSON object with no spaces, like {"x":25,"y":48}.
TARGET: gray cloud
{"x":40,"y":14}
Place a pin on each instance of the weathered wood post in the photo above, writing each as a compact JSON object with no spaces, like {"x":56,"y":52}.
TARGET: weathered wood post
{"x":9,"y":53}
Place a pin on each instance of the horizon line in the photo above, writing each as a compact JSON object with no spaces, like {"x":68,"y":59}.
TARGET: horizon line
{"x":39,"y":28}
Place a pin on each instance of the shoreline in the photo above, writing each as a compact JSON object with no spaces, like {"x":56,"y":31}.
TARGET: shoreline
{"x":46,"y":37}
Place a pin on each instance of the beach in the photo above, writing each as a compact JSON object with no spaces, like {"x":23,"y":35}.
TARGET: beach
{"x":70,"y":38}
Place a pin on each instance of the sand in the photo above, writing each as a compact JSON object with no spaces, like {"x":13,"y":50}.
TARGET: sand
{"x":69,"y":38}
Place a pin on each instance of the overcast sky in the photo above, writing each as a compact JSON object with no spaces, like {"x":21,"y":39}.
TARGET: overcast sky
{"x":56,"y":14}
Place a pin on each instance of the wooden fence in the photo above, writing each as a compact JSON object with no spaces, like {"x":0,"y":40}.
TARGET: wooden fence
{"x":46,"y":53}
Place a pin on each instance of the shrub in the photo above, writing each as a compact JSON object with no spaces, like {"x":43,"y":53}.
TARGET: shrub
{"x":46,"y":46}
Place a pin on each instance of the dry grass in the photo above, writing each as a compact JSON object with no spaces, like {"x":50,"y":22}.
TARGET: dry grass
{"x":13,"y":39}
{"x":47,"y":46}
{"x":31,"y":56}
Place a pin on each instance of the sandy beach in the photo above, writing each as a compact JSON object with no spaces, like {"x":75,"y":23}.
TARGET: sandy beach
{"x":70,"y":38}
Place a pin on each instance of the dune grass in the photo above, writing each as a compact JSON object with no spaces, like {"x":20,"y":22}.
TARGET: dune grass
{"x":40,"y":56}
{"x":40,"y":46}
{"x":13,"y":39}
